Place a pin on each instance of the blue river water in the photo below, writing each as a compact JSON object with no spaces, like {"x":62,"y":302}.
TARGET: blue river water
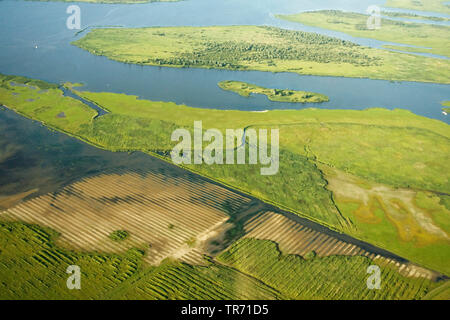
{"x":35,"y":42}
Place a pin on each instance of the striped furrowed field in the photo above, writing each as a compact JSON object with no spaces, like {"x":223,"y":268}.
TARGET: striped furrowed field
{"x":294,"y":238}
{"x":182,"y":281}
{"x":33,"y":267}
{"x":145,"y":235}
{"x":168,"y":216}
{"x":331,"y":277}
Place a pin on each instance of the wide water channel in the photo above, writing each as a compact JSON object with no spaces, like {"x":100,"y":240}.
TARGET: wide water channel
{"x":35,"y":42}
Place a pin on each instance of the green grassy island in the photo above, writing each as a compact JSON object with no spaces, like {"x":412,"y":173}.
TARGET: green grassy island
{"x":246,"y":89}
{"x":259,"y":48}
{"x":434,"y":37}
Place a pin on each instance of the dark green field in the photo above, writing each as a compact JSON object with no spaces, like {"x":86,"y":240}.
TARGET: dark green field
{"x":32,"y":267}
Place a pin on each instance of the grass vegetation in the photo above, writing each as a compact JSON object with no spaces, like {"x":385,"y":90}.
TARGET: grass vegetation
{"x":259,"y":48}
{"x":119,"y":235}
{"x":413,"y":16}
{"x":398,"y":219}
{"x":33,"y":267}
{"x":440,"y":293}
{"x":246,"y":89}
{"x":298,"y":278}
{"x":420,"y":5}
{"x":395,"y":148}
{"x":430,"y":36}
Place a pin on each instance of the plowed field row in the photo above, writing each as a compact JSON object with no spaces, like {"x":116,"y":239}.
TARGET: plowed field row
{"x":333,"y":277}
{"x":161,"y":213}
{"x":294,"y":238}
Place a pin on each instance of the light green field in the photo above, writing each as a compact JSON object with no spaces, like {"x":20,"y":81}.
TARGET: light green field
{"x":246,"y":89}
{"x":392,"y":150}
{"x":259,"y":48}
{"x":298,"y":278}
{"x":420,"y":5}
{"x":33,"y":267}
{"x":413,"y":16}
{"x":408,"y":220}
{"x":431,"y":36}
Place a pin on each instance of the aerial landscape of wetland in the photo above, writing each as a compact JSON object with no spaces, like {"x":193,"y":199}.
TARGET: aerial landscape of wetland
{"x":225,"y":150}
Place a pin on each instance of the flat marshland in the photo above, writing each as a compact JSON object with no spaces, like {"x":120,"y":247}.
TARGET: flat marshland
{"x":318,"y":148}
{"x":259,"y":48}
{"x":96,"y":186}
{"x":428,"y":38}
